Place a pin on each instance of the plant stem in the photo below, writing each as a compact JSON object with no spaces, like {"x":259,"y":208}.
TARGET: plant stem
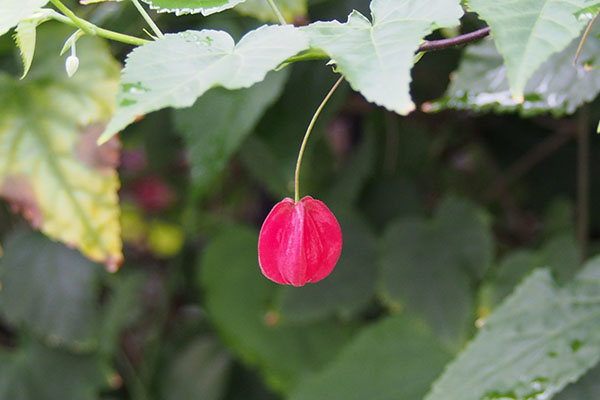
{"x":582,"y":41}
{"x":146,"y":17}
{"x":455,"y":41}
{"x":71,"y":19}
{"x":307,"y":135}
{"x":275,"y":9}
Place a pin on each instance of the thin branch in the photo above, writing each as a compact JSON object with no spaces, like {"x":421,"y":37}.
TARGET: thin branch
{"x":431,"y":45}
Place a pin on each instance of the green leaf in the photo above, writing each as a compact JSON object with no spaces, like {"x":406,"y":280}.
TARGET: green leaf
{"x":25,"y":39}
{"x":446,"y":255}
{"x":587,"y":13}
{"x":122,"y":306}
{"x":262,"y":165}
{"x":237,"y":297}
{"x":199,"y":371}
{"x":528,"y":32}
{"x":52,"y":290}
{"x":349,"y":184}
{"x":177,"y":69}
{"x":506,"y":276}
{"x":481,"y":82}
{"x":260,"y":9}
{"x":181,"y":7}
{"x":51,"y":169}
{"x":560,"y":252}
{"x":392,"y":359}
{"x":216,"y":125}
{"x":349,"y":288}
{"x":540,"y":339}
{"x":35,"y":372}
{"x":376,"y":58}
{"x":15,"y":11}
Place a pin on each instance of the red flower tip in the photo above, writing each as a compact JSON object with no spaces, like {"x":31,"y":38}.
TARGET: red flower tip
{"x":299,"y":242}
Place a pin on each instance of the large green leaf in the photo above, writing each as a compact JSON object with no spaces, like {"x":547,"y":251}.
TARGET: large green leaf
{"x":52,"y":290}
{"x":481,"y":82}
{"x":11,"y":12}
{"x":181,"y":7}
{"x":177,"y":69}
{"x":430,"y":266}
{"x":539,"y":340}
{"x":290,"y":9}
{"x":348,"y":185}
{"x":376,"y":58}
{"x":394,"y":359}
{"x":588,"y":12}
{"x":351,"y":285}
{"x":560,"y":252}
{"x":33,"y":371}
{"x":216,"y":125}
{"x":528,"y":32}
{"x":51,"y":168}
{"x":237,"y":298}
{"x":199,"y":371}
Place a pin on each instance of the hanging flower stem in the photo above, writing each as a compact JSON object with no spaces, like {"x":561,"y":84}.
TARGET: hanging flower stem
{"x":147,"y":18}
{"x":307,"y":135}
{"x":275,"y":9}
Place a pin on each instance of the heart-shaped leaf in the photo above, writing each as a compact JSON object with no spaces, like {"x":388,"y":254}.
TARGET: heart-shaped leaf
{"x":376,"y":57}
{"x":178,"y":68}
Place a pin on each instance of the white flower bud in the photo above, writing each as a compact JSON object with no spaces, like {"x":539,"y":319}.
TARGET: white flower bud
{"x":71,"y":65}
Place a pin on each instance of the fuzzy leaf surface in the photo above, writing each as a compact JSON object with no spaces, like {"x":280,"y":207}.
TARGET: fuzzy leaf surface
{"x":178,"y":68}
{"x":481,"y":82}
{"x":376,"y":56}
{"x":14,"y":11}
{"x":528,"y":32}
{"x":537,"y":341}
{"x":51,"y":168}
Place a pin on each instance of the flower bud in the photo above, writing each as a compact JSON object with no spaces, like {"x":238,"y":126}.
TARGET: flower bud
{"x":71,"y":65}
{"x":299,"y":242}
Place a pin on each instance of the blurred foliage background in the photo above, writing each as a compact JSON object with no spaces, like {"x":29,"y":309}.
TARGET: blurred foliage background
{"x":442,"y":215}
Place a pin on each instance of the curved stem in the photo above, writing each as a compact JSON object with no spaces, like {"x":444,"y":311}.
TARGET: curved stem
{"x":275,"y":9}
{"x":585,"y":35}
{"x":70,"y":18}
{"x":147,"y":18}
{"x":307,"y":135}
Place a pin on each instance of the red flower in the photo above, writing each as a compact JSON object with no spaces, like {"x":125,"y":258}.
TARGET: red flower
{"x":299,"y":242}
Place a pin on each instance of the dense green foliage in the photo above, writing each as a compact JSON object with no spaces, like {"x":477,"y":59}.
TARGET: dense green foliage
{"x":469,"y":268}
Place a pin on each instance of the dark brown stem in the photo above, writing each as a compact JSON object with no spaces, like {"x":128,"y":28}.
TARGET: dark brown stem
{"x":583,"y":181}
{"x":431,"y":45}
